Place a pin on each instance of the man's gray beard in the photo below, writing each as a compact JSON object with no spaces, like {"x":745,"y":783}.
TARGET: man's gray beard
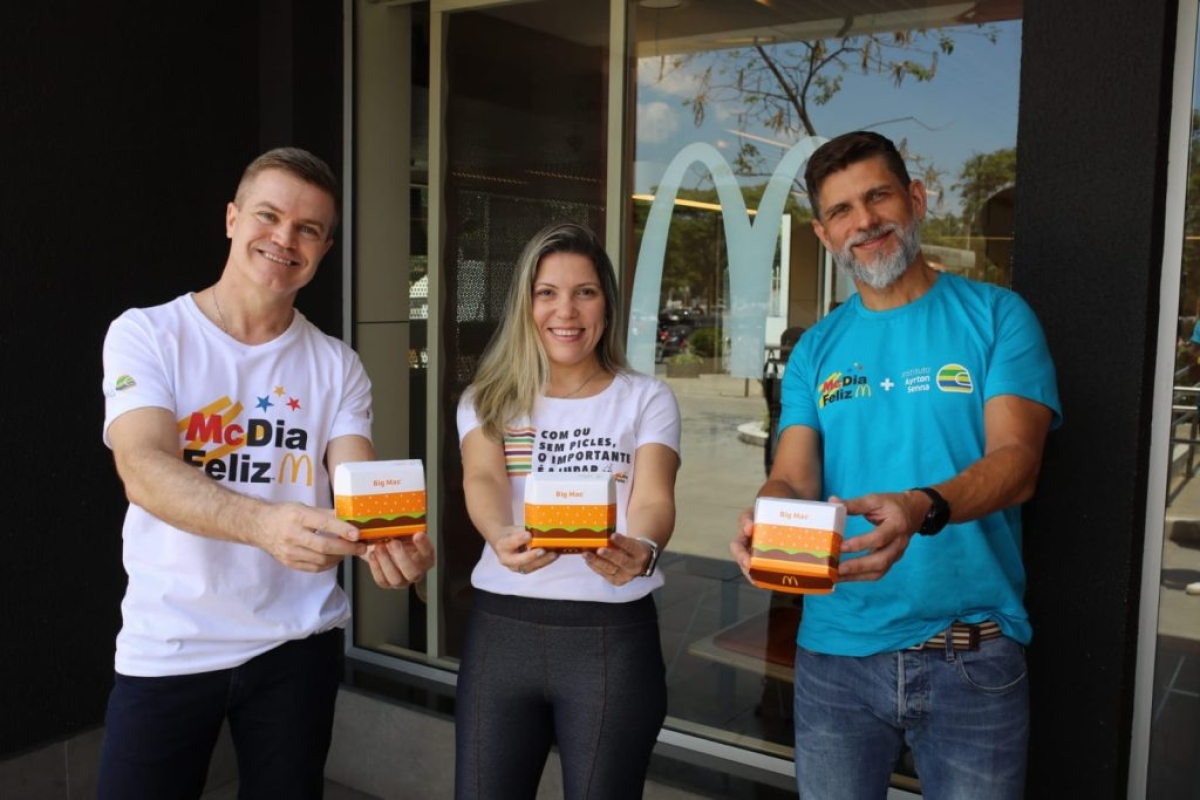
{"x":887,"y":269}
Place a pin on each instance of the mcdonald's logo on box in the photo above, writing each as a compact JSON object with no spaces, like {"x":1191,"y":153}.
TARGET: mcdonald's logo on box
{"x":796,"y":545}
{"x":384,"y":499}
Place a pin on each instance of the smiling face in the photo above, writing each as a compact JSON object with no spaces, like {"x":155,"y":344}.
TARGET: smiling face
{"x":870,"y":221}
{"x":568,"y":309}
{"x":279,"y":227}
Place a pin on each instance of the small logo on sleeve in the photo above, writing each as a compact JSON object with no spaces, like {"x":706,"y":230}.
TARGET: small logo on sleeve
{"x":125,"y":382}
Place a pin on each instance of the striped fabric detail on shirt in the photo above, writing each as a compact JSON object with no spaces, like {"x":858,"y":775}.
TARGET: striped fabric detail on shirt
{"x":518,"y":450}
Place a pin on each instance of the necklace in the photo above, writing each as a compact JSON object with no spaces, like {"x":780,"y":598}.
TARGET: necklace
{"x":220,"y":314}
{"x":579,"y":388}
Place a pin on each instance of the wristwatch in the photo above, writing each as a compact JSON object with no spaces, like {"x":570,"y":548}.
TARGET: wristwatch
{"x":939,"y":512}
{"x":653,"y":563}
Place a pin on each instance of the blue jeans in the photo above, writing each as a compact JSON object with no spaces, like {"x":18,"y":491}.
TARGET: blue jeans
{"x":964,"y":714}
{"x":588,"y":676}
{"x":160,"y":732}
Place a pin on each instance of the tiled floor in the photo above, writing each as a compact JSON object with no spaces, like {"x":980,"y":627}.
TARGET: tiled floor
{"x":333,"y":791}
{"x":1174,"y":769}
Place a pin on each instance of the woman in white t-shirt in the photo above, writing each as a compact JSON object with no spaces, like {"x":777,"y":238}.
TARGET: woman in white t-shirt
{"x":563,"y":648}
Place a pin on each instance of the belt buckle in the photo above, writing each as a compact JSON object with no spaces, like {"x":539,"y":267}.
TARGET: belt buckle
{"x":972,"y":637}
{"x":972,"y":632}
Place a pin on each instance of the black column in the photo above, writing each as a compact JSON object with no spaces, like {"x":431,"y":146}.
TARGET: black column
{"x":1095,"y":103}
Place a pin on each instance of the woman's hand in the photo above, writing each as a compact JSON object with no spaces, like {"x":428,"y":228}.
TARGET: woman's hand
{"x":512,"y":549}
{"x":398,"y":563}
{"x":623,"y":560}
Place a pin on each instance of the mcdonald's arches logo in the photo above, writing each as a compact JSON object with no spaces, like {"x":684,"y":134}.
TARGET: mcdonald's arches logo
{"x":749,"y":245}
{"x":296,"y":463}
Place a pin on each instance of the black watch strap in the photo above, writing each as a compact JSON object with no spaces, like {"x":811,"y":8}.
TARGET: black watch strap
{"x":938,"y":514}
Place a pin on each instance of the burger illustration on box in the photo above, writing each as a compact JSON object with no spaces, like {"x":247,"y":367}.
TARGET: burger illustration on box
{"x":384,"y":499}
{"x":570,"y":512}
{"x":796,"y":545}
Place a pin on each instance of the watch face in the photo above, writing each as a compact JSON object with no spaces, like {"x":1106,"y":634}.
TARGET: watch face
{"x":938,"y":514}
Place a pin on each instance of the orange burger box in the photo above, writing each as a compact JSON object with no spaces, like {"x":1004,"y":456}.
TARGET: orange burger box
{"x":570,"y":512}
{"x":796,"y":545}
{"x":384,"y":499}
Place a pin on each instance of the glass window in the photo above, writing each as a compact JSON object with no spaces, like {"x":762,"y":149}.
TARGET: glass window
{"x":728,"y":100}
{"x":1174,"y":762}
{"x":525,"y":138}
{"x":737,"y":274}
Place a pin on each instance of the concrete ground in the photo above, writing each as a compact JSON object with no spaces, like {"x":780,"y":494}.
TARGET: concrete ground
{"x":721,"y":473}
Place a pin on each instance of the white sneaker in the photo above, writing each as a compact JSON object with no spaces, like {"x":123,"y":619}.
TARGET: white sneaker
{"x":1193,"y":588}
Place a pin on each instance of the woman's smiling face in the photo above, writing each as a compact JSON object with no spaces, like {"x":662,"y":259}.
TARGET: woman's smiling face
{"x":568,"y":308}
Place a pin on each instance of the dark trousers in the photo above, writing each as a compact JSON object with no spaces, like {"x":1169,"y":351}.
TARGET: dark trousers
{"x":588,"y":676}
{"x":160,"y":732}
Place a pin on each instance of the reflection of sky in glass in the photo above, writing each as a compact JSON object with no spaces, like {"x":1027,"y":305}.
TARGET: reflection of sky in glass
{"x":970,"y":105}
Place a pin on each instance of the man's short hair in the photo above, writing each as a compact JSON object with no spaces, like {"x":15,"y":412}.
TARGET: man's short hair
{"x":850,"y":148}
{"x":300,"y":164}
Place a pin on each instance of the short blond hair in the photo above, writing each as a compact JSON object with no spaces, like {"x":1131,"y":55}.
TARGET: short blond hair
{"x":298,"y":163}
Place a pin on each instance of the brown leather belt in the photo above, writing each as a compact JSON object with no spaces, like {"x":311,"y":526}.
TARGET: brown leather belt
{"x":964,"y":636}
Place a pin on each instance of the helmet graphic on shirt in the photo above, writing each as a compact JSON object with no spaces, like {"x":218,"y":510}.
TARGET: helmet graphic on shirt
{"x":955,"y":378}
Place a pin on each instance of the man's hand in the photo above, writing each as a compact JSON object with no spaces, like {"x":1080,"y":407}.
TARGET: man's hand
{"x":401,"y":562}
{"x":740,"y":546}
{"x":896,"y":517}
{"x":304,"y":538}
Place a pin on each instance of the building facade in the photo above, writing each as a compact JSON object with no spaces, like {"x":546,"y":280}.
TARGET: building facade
{"x":1055,"y":139}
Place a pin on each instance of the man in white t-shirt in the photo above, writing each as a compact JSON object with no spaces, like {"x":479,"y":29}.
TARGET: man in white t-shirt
{"x":227,"y":411}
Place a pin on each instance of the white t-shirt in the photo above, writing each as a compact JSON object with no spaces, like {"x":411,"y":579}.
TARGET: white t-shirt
{"x":258,"y":419}
{"x":591,"y":434}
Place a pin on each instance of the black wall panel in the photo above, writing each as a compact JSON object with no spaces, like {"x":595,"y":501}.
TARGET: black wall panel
{"x":1095,"y":77}
{"x":124,"y":128}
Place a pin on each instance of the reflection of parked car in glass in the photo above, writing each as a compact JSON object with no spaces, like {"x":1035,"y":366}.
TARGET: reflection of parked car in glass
{"x":692,"y":317}
{"x":675,"y":325}
{"x":672,"y":339}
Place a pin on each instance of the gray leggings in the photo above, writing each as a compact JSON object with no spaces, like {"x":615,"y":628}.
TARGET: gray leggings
{"x":588,"y":676}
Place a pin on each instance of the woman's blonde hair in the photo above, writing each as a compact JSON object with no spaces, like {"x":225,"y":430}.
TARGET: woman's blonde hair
{"x":514,"y":369}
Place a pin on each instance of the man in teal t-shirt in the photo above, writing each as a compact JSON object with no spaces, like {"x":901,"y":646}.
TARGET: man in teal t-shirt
{"x":922,"y":404}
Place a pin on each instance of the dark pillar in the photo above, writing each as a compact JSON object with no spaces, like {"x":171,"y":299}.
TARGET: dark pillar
{"x":1095,"y":103}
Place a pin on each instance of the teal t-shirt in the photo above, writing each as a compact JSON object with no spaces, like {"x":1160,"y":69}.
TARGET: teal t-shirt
{"x":897,"y":397}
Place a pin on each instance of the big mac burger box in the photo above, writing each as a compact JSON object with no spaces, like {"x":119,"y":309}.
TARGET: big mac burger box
{"x":796,"y":545}
{"x":570,"y":511}
{"x":384,"y":499}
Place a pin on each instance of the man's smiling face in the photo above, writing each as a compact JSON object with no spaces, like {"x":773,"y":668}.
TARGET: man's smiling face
{"x":280,"y":229}
{"x":869,"y":221}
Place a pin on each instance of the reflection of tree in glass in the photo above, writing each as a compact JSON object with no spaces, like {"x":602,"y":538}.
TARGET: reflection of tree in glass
{"x":981,"y":177}
{"x":982,"y":182}
{"x":696,"y":254}
{"x":778,"y":86}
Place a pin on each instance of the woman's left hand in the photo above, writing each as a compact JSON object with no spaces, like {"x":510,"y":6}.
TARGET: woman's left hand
{"x":623,"y":560}
{"x":398,"y":563}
